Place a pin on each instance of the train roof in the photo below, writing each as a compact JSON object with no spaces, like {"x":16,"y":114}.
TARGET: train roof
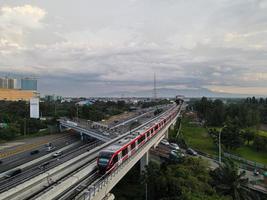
{"x":125,"y":140}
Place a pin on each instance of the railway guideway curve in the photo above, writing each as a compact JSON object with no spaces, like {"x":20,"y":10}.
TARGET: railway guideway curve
{"x":101,"y":188}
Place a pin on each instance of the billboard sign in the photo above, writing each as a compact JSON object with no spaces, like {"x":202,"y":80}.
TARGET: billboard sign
{"x":34,"y":108}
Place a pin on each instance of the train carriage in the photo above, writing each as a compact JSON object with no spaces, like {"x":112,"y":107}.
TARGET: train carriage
{"x":112,"y":156}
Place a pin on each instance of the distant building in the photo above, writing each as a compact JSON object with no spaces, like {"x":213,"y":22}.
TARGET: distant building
{"x":15,"y":89}
{"x":52,"y":97}
{"x":29,"y":84}
{"x":85,"y":102}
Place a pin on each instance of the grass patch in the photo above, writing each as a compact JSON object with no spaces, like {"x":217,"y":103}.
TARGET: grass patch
{"x":262,"y":133}
{"x":249,"y":153}
{"x":197,"y":137}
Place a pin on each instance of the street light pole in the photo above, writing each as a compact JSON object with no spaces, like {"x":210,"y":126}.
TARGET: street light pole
{"x":220,"y":145}
{"x":220,"y":150}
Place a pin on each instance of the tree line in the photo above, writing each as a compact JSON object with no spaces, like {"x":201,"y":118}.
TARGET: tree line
{"x":248,"y":112}
{"x":189,"y":180}
{"x":239,"y":120}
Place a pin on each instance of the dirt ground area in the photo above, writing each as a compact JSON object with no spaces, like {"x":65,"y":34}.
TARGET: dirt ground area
{"x":121,"y":117}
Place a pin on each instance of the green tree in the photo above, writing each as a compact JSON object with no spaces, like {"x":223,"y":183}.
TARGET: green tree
{"x":227,"y":181}
{"x":231,"y":137}
{"x":248,"y":135}
{"x":187,"y":181}
{"x":259,"y":143}
{"x":10,"y":132}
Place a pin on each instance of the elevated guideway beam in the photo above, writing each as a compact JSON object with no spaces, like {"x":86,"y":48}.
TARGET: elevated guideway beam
{"x":100,"y":189}
{"x":85,"y":131}
{"x":39,"y":182}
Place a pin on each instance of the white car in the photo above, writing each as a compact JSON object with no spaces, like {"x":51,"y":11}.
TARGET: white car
{"x":174,"y":146}
{"x":105,"y":133}
{"x":57,"y":154}
{"x":164,"y":142}
{"x":177,"y":153}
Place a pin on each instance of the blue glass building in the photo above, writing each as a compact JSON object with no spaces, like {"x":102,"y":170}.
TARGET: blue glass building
{"x":28,"y":84}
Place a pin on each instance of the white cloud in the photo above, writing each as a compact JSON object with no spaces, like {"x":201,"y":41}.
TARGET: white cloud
{"x":16,"y":22}
{"x":189,"y":44}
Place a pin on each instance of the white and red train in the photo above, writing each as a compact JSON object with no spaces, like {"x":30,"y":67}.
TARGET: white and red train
{"x":113,"y":156}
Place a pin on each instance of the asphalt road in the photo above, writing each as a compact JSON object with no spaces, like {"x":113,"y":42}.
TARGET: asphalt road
{"x":21,"y":158}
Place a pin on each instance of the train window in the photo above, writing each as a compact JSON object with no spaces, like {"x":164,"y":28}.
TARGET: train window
{"x":107,"y":155}
{"x":124,"y":152}
{"x":148,"y":134}
{"x":133,"y":145}
{"x":141,"y":139}
{"x":156,"y":127}
{"x":115,"y":159}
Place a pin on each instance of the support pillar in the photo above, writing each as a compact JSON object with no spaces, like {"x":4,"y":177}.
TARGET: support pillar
{"x":81,"y":136}
{"x":60,"y":128}
{"x":166,"y":134}
{"x":144,"y":162}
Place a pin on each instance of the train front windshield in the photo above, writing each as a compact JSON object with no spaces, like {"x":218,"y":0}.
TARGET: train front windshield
{"x":104,"y":158}
{"x":103,"y":161}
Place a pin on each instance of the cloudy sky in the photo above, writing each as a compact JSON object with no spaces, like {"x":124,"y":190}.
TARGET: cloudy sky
{"x":102,"y":47}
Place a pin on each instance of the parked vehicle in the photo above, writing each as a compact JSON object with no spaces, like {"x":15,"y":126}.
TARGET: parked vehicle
{"x":13,"y":173}
{"x":165,"y":142}
{"x":177,"y":153}
{"x":174,"y":146}
{"x":256,"y":172}
{"x":191,"y":152}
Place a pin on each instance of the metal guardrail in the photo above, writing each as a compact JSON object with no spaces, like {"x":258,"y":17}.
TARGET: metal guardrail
{"x":85,"y":131}
{"x":245,"y":161}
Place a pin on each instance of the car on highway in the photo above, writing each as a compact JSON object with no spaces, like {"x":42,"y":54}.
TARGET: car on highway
{"x":13,"y":173}
{"x":191,"y":152}
{"x":50,"y":148}
{"x":164,"y":142}
{"x":34,"y":152}
{"x":174,"y":146}
{"x":58,"y":153}
{"x":105,"y":133}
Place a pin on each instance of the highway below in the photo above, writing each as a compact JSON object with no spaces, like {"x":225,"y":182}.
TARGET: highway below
{"x":68,"y":172}
{"x":18,"y":159}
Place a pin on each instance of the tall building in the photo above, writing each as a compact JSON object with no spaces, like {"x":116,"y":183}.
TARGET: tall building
{"x":14,"y":89}
{"x":10,"y":83}
{"x":29,"y":84}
